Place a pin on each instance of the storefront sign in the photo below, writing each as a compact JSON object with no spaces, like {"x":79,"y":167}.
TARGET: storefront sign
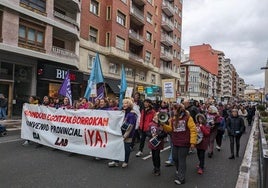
{"x":56,"y":73}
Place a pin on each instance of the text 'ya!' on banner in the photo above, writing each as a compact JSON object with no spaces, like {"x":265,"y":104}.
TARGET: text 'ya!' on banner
{"x":88,"y":132}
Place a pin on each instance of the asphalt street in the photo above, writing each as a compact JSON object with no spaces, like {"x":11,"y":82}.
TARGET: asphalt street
{"x":28,"y":166}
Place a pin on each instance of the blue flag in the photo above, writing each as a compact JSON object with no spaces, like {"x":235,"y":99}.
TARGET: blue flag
{"x":123,"y":86}
{"x":65,"y":89}
{"x":96,"y":76}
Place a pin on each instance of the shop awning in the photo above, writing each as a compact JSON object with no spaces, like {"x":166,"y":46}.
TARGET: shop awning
{"x":113,"y":84}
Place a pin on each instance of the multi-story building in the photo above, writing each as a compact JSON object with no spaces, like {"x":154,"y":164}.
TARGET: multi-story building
{"x":234,"y":81}
{"x":227,"y":79}
{"x":195,"y":81}
{"x":145,"y":36}
{"x":240,"y":88}
{"x":39,"y":42}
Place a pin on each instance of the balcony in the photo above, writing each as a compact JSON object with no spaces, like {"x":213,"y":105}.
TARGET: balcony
{"x":65,"y":18}
{"x":116,"y":53}
{"x":139,"y":2}
{"x":136,"y":58}
{"x":166,"y":40}
{"x":64,"y":53}
{"x":135,"y":38}
{"x":167,"y":24}
{"x":166,"y":56}
{"x":168,"y":72}
{"x":136,"y":16}
{"x":168,"y":8}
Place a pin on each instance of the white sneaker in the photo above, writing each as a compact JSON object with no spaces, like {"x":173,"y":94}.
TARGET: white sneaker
{"x":139,"y":154}
{"x":168,"y":163}
{"x":113,"y":164}
{"x":26,"y":143}
{"x":218,"y":148}
{"x":124,"y":165}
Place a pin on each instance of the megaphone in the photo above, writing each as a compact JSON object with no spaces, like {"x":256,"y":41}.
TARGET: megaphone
{"x":162,"y":117}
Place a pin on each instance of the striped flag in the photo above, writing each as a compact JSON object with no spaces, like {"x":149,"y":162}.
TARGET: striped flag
{"x":100,"y":92}
{"x":65,"y":89}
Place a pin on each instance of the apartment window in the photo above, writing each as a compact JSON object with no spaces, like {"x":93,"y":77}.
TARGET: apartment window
{"x":35,"y":4}
{"x":153,"y":78}
{"x":142,"y":76}
{"x":124,"y":1}
{"x":175,"y":23}
{"x":94,"y":7}
{"x":155,"y":27}
{"x":156,"y":10}
{"x":148,"y":56}
{"x":120,"y":43}
{"x":107,"y":41}
{"x":91,"y":60}
{"x":31,"y":34}
{"x":113,"y":68}
{"x":148,"y":36}
{"x":121,"y":18}
{"x":129,"y":72}
{"x":174,"y":53}
{"x":108,"y":13}
{"x":149,"y":17}
{"x":1,"y":20}
{"x":93,"y":34}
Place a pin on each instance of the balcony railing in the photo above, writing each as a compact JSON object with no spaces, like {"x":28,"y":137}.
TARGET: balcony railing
{"x":168,"y":8}
{"x":166,"y":39}
{"x":64,"y":53}
{"x":136,"y":57}
{"x":167,"y":23}
{"x":135,"y":35}
{"x":65,"y":18}
{"x":166,"y":55}
{"x":136,"y":12}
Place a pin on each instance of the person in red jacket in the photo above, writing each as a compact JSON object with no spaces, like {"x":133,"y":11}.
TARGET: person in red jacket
{"x":147,"y":115}
{"x":203,"y":132}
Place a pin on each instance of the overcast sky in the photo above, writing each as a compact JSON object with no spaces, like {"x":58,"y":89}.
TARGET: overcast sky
{"x":239,"y":28}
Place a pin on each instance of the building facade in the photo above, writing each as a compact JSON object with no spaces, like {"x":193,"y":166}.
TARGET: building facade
{"x":143,"y":35}
{"x":39,"y":42}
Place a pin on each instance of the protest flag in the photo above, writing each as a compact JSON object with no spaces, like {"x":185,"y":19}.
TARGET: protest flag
{"x":123,"y":86}
{"x":65,"y":89}
{"x":96,"y":76}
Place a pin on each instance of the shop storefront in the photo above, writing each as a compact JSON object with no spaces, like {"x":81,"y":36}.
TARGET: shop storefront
{"x":49,"y":80}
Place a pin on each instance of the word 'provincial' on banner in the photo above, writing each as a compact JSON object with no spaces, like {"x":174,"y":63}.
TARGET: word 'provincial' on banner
{"x":89,"y":132}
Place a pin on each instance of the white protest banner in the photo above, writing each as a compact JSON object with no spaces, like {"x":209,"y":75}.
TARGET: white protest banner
{"x":168,"y":86}
{"x":88,"y":132}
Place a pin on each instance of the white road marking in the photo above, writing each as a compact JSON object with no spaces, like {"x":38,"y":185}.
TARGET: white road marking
{"x":149,"y":156}
{"x":8,"y":141}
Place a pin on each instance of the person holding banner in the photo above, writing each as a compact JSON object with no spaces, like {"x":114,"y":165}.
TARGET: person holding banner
{"x":184,"y":136}
{"x":66,"y":104}
{"x":128,"y":129}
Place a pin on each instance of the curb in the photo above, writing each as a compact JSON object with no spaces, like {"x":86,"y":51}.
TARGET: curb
{"x":11,"y":125}
{"x":246,"y":165}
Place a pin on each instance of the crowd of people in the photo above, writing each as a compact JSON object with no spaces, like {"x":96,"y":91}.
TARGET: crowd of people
{"x":189,"y":126}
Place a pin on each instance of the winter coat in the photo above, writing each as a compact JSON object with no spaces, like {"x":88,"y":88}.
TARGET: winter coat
{"x":147,"y":116}
{"x":206,"y":133}
{"x":235,"y":126}
{"x":184,"y":134}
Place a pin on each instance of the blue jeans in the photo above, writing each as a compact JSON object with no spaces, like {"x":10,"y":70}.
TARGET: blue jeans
{"x":127,"y":152}
{"x":3,"y":111}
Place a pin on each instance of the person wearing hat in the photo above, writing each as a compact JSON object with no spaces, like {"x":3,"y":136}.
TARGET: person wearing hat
{"x":235,"y":127}
{"x":147,"y":115}
{"x":3,"y":107}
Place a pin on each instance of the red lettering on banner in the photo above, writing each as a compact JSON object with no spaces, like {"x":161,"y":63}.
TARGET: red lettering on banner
{"x":96,"y":138}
